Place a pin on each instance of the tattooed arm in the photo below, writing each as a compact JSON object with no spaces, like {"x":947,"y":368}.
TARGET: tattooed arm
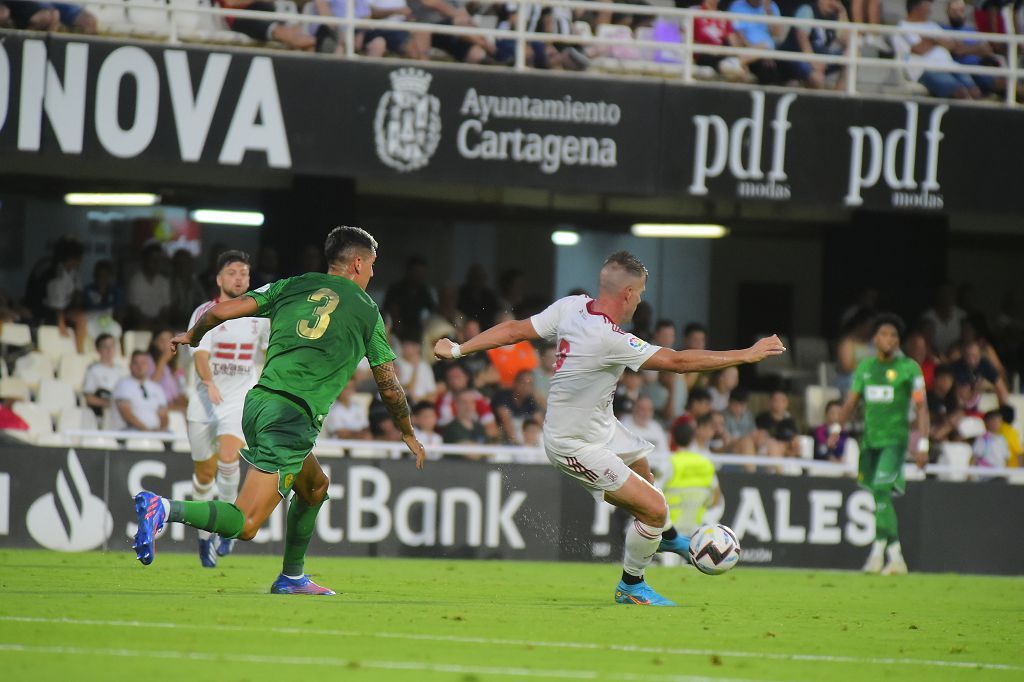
{"x":393,"y":395}
{"x":243,"y":306}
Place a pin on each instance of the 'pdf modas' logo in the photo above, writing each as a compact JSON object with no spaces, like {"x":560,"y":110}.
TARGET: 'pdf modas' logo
{"x":71,"y":519}
{"x":407,"y":127}
{"x":730,"y":142}
{"x":894,"y":158}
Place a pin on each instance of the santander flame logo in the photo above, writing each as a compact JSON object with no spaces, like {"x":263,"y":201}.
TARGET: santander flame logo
{"x":71,"y":519}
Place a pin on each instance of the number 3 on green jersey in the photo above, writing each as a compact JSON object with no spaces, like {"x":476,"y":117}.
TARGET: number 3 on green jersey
{"x":328,"y":301}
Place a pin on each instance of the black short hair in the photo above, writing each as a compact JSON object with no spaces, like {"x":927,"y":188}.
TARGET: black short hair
{"x":232,"y":256}
{"x":345,"y":237}
{"x":422,"y":406}
{"x":705,"y":419}
{"x":1009,"y":414}
{"x":662,"y":323}
{"x":139,"y":352}
{"x":692,"y":327}
{"x":101,"y":338}
{"x":696,"y":395}
{"x":739,"y":395}
{"x":911,"y":4}
{"x":833,"y":403}
{"x":993,"y":413}
{"x":683,"y":434}
{"x":628,"y":262}
{"x":944,"y":370}
{"x":888,"y":318}
{"x":68,"y":248}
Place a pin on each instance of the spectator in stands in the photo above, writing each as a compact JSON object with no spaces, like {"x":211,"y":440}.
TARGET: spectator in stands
{"x":1012,"y":436}
{"x":382,"y":427}
{"x":720,"y":33}
{"x":479,"y":364}
{"x":933,"y":52}
{"x":830,"y":438}
{"x":476,"y":299}
{"x":739,"y":422}
{"x":512,"y":360}
{"x":974,"y":329}
{"x":263,"y":31}
{"x":76,"y":18}
{"x":468,"y":49}
{"x":9,"y":419}
{"x":11,"y":310}
{"x":943,"y":406}
{"x":397,"y":42}
{"x":988,"y":16}
{"x":34,"y":16}
{"x":544,"y":373}
{"x":166,"y":373}
{"x":513,"y":406}
{"x":186,"y":292}
{"x":410,"y":300}
{"x":466,"y":427}
{"x":102,"y":376}
{"x":776,"y":428}
{"x":723,"y":382}
{"x":62,"y":302}
{"x":267,"y":265}
{"x":457,"y":381}
{"x":872,"y":15}
{"x":415,"y":374}
{"x":816,"y":40}
{"x":5,"y":22}
{"x":642,"y":319}
{"x":916,"y":348}
{"x":149,"y":292}
{"x":976,"y":370}
{"x":973,"y":52}
{"x":533,"y":434}
{"x":854,"y":346}
{"x":346,"y":418}
{"x":628,"y":391}
{"x":759,"y":35}
{"x":698,"y":404}
{"x":991,"y":449}
{"x":141,"y":404}
{"x":331,"y":39}
{"x":665,"y":334}
{"x":103,"y":300}
{"x":642,"y":423}
{"x":424,"y":425}
{"x":695,"y":337}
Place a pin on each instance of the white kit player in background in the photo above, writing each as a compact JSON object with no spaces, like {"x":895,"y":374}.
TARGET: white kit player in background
{"x":582,"y":437}
{"x":225,"y":369}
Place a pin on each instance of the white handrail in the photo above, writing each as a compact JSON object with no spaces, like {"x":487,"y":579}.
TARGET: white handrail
{"x":390,"y":448}
{"x":685,"y":50}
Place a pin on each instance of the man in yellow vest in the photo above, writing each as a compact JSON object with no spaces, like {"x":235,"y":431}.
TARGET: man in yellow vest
{"x":693,"y":486}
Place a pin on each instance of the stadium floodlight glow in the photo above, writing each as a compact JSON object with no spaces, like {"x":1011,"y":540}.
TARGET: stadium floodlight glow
{"x":565,"y":238}
{"x":679,"y":230}
{"x":218,"y":217}
{"x":111,"y":199}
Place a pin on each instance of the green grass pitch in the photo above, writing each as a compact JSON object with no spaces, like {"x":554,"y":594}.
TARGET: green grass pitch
{"x":105,"y":617}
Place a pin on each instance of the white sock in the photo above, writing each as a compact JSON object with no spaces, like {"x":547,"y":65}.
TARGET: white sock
{"x":641,"y":544}
{"x":292,"y":577}
{"x":878,"y":547}
{"x":166,"y":504}
{"x":894,"y":551}
{"x":202,"y":492}
{"x":228,"y":475}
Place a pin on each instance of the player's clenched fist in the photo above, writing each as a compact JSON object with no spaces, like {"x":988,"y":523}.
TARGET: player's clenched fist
{"x":443,"y":349}
{"x":183,"y":339}
{"x":768,"y":346}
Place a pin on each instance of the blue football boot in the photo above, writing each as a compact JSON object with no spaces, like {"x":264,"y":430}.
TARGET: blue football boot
{"x":149,"y":509}
{"x":640,"y":594}
{"x":303,"y":585}
{"x":207,"y":553}
{"x":224,"y":545}
{"x":680,"y":545}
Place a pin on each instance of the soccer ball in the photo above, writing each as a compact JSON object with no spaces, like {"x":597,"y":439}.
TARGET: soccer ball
{"x":714,"y":549}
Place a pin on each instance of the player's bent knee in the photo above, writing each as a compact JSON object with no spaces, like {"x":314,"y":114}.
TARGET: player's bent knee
{"x":206,"y":470}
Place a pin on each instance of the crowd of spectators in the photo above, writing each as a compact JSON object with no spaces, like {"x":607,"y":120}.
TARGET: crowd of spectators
{"x":500,"y":397}
{"x":917,"y":52}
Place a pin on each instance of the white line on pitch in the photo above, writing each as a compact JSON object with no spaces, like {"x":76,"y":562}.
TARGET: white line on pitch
{"x":418,"y":666}
{"x":589,"y":646}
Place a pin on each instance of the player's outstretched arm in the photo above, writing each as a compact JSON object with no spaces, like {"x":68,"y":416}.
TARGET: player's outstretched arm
{"x":503,"y":334}
{"x":393,"y":395}
{"x":243,"y":306}
{"x":682,"y":361}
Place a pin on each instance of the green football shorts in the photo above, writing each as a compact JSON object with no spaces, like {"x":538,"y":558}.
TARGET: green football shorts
{"x":279,"y":434}
{"x":881,"y":468}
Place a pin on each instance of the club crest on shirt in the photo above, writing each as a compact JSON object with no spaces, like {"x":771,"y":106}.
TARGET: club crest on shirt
{"x":637,"y":343}
{"x":890,"y":375}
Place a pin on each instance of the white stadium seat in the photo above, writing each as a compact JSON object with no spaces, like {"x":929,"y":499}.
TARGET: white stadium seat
{"x":53,"y":345}
{"x":12,"y":388}
{"x":32,"y":369}
{"x":17,"y":335}
{"x":957,"y":455}
{"x":110,"y":17}
{"x":144,"y":444}
{"x":177,"y":425}
{"x":71,"y":370}
{"x":815,"y":399}
{"x":37,"y":418}
{"x":135,"y":339}
{"x":76,"y":418}
{"x":54,"y":396}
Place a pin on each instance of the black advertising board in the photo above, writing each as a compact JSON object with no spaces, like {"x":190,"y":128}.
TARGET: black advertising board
{"x":80,"y":499}
{"x":119,"y":111}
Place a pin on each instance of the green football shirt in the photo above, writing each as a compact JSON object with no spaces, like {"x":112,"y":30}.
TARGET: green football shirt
{"x":321,"y":326}
{"x":887,"y":388}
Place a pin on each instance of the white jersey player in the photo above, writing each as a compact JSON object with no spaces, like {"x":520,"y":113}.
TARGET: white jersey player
{"x":582,"y":437}
{"x":225,"y":369}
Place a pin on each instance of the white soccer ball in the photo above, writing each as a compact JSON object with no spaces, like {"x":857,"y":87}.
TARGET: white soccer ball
{"x":714,"y":549}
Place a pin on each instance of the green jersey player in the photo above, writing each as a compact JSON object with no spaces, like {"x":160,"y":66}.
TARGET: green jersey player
{"x":321,"y":326}
{"x":889,"y":384}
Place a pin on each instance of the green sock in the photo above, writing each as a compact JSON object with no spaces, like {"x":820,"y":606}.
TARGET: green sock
{"x":222,"y":518}
{"x":301,"y":522}
{"x":885,"y":517}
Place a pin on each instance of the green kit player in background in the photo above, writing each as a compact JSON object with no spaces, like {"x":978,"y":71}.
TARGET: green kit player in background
{"x":321,"y":326}
{"x":889,"y":383}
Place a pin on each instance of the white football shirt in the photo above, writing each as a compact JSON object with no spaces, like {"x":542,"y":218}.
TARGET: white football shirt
{"x":233,"y":348}
{"x":592,"y":354}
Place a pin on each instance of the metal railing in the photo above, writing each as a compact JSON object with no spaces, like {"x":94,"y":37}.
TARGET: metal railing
{"x":851,"y":59}
{"x":375,"y":449}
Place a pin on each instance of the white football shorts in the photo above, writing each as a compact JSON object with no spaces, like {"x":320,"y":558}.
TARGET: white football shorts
{"x":202,"y":436}
{"x":599,"y":468}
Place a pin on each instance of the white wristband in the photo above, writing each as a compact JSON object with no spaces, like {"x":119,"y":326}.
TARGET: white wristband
{"x":835,"y":429}
{"x":923,"y":445}
{"x":456,"y":351}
